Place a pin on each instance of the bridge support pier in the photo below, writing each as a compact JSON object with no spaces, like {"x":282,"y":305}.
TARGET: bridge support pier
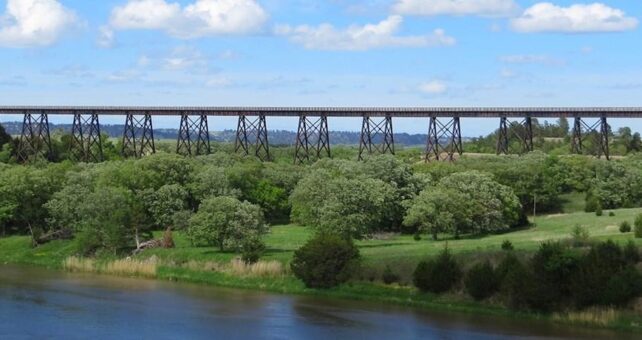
{"x":523,"y":131}
{"x":439,"y":132}
{"x":138,"y":137}
{"x":377,"y":137}
{"x":35,"y":140}
{"x":193,"y":135}
{"x":312,"y":139}
{"x":599,"y":130}
{"x":86,"y":143}
{"x":252,"y":137}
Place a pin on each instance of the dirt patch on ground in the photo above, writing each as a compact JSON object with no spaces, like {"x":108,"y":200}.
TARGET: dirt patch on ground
{"x":555,"y":215}
{"x":540,"y":239}
{"x":612,"y":228}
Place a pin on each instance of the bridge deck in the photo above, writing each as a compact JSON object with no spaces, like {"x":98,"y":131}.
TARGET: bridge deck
{"x":472,"y":112}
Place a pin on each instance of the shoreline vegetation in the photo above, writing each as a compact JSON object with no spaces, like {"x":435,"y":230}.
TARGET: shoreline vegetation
{"x":272,"y":274}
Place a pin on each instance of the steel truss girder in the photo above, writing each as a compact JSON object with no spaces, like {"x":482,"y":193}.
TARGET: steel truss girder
{"x":86,"y":143}
{"x":193,"y":135}
{"x":438,"y":132}
{"x":138,"y":137}
{"x":600,"y":131}
{"x":522,"y":130}
{"x":312,"y":139}
{"x":252,"y":137}
{"x":35,"y":140}
{"x":377,"y":137}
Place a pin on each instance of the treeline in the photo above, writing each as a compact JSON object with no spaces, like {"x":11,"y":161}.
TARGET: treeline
{"x":471,"y":196}
{"x":556,"y":139}
{"x":277,"y":137}
{"x":539,"y":180}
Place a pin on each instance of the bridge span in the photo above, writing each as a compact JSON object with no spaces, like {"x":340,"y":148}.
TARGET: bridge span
{"x":444,"y":140}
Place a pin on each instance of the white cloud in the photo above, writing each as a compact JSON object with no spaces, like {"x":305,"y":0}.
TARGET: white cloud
{"x":580,"y":18}
{"x":124,"y":76}
{"x":106,"y":37}
{"x":34,"y":23}
{"x":531,"y":59}
{"x":199,"y":19}
{"x":144,"y":61}
{"x":486,"y":8}
{"x":507,"y":73}
{"x":361,"y":38}
{"x":219,"y":82}
{"x":228,"y":55}
{"x":180,"y":58}
{"x":433,"y":87}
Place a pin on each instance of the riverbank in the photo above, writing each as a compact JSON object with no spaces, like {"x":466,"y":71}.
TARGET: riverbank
{"x":205,"y":266}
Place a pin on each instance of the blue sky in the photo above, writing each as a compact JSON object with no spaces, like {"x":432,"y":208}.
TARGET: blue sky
{"x":321,"y":53}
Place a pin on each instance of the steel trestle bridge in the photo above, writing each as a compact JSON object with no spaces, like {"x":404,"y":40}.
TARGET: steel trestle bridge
{"x":444,"y":140}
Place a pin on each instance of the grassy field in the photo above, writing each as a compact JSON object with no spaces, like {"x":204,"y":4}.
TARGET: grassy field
{"x":187,"y":263}
{"x":284,"y":239}
{"x":400,"y":250}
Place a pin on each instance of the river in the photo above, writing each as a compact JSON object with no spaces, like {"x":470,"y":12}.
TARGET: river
{"x":42,"y":304}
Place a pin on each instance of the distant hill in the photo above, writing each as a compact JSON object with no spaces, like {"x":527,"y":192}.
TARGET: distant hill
{"x":277,"y":137}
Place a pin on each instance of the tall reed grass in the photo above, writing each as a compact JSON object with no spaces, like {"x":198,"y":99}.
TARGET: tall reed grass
{"x":124,"y":267}
{"x":591,"y":316}
{"x":261,"y":269}
{"x":79,"y":264}
{"x":130,"y":267}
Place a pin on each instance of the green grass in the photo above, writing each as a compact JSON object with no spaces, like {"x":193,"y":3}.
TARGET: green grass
{"x":17,"y":249}
{"x":285,"y":239}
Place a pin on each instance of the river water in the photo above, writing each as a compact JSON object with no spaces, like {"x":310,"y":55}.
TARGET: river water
{"x":41,"y":304}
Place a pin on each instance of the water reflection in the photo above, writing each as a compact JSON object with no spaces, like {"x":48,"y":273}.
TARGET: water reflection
{"x":36,"y":303}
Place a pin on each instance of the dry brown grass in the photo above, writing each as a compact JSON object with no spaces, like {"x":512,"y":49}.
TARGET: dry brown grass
{"x":237,"y":267}
{"x":591,"y":316}
{"x":124,"y":267}
{"x":79,"y":264}
{"x":130,"y":267}
{"x":261,"y":269}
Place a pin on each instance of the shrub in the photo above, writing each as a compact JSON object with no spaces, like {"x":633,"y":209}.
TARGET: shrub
{"x":611,"y":213}
{"x":515,"y":281}
{"x":631,"y":253}
{"x":625,"y":227}
{"x":553,"y":266}
{"x":594,"y":272}
{"x":417,"y":236}
{"x":579,"y":236}
{"x":638,"y":226}
{"x":437,"y":275}
{"x":598,"y":210}
{"x":389,"y":276}
{"x":325,"y":261}
{"x":253,"y":249}
{"x":507,"y":245}
{"x":591,"y":203}
{"x":622,"y":287}
{"x":481,"y":281}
